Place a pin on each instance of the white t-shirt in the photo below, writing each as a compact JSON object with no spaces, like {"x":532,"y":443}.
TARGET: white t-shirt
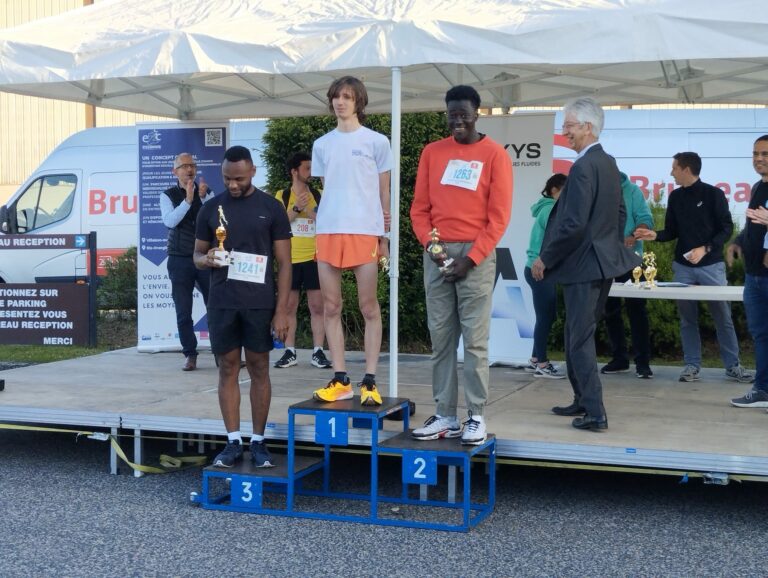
{"x":350,"y":163}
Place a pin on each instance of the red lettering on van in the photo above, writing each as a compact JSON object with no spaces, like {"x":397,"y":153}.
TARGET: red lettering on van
{"x":743,"y":193}
{"x":642,"y":183}
{"x":98,"y":204}
{"x":658,"y":189}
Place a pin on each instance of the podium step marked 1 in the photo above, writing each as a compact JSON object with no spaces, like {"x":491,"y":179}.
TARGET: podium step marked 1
{"x":249,"y":486}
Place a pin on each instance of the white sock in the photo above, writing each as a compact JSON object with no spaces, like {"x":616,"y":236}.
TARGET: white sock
{"x":257,"y":438}
{"x":318,"y":348}
{"x":291,"y":349}
{"x":235,"y":436}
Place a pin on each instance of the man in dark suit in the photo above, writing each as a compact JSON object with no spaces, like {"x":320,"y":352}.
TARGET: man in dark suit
{"x":583,"y":250}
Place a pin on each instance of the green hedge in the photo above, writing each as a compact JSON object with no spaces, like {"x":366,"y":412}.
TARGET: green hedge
{"x":286,"y":136}
{"x":118,"y":288}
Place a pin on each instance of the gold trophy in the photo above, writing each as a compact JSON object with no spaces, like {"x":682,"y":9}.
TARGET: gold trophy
{"x":636,"y":273}
{"x":384,"y":263}
{"x":437,"y":251}
{"x":220,"y":254}
{"x":649,"y":260}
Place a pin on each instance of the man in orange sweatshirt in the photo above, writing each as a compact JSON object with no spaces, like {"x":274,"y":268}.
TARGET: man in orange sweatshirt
{"x":464,"y":190}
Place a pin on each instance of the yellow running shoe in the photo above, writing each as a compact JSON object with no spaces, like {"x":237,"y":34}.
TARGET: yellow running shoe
{"x":335,"y":391}
{"x":369,"y":395}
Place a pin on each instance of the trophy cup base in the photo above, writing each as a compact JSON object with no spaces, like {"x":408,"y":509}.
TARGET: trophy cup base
{"x":221,"y":258}
{"x":447,"y":264}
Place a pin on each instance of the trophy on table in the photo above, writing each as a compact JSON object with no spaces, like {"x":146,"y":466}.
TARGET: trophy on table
{"x":437,"y":252}
{"x":649,"y":260}
{"x":636,"y":273}
{"x":221,"y":256}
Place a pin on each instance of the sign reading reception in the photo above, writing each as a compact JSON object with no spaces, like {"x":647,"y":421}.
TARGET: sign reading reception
{"x":159,"y":143}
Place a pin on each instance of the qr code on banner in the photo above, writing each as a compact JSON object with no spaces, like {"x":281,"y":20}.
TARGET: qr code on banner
{"x":213,"y":137}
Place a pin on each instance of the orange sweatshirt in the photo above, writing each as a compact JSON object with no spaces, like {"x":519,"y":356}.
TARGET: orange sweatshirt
{"x":479,"y":216}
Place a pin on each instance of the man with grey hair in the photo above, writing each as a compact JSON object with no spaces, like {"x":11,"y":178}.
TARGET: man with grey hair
{"x":179,"y":206}
{"x":583,"y":250}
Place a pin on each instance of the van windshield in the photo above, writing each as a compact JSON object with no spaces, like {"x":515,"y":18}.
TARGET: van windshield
{"x":46,"y":200}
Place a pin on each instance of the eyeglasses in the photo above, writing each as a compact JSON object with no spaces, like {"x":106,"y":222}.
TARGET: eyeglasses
{"x":570,"y":125}
{"x":186,"y":166}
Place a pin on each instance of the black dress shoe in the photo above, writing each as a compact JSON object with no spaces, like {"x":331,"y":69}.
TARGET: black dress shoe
{"x":591,"y":423}
{"x":569,"y":410}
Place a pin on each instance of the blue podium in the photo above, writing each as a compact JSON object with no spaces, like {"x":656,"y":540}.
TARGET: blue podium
{"x":301,"y":486}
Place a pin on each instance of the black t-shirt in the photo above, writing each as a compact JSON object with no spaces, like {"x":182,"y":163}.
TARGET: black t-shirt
{"x":254,"y":223}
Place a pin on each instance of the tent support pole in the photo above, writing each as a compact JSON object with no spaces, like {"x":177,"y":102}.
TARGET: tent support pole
{"x":394,"y":243}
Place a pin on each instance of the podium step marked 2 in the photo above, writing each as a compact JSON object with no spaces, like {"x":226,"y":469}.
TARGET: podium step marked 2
{"x":248,"y":486}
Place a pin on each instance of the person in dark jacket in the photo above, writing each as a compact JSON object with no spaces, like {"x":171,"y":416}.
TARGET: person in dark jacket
{"x":698,"y":218}
{"x":584,"y":250}
{"x":752,"y":244}
{"x":179,"y":206}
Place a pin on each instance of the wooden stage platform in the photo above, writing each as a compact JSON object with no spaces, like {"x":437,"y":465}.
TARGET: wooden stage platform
{"x":658,"y":424}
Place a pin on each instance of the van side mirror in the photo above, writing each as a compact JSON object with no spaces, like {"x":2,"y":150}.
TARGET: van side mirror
{"x":4,"y":219}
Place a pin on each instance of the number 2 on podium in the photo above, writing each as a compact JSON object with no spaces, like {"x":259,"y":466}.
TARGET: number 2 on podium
{"x":419,"y":467}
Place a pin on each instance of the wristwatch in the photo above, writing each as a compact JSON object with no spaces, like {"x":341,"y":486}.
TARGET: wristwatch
{"x":296,"y":209}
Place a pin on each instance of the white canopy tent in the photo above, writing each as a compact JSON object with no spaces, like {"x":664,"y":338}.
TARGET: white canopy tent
{"x":221,"y":59}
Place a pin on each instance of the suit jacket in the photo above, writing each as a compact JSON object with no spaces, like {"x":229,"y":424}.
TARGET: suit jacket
{"x":584,"y":239}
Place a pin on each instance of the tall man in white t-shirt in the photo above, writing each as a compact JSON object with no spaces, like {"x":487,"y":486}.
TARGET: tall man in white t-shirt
{"x":354,"y":164}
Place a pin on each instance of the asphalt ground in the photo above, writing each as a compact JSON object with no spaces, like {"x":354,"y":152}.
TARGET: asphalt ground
{"x":62,"y":514}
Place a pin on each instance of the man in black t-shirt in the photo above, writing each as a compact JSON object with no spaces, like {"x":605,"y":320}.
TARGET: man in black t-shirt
{"x":242,"y":309}
{"x":752,"y":244}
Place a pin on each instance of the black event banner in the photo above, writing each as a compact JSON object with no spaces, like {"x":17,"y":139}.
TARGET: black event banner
{"x":44,"y":241}
{"x":44,"y":314}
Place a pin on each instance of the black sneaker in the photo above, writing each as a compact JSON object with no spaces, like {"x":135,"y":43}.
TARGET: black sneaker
{"x":643,"y":372}
{"x":232,"y":452}
{"x":615,"y":366}
{"x":260,"y":457}
{"x":320,"y":360}
{"x":287,"y":360}
{"x":753,"y":398}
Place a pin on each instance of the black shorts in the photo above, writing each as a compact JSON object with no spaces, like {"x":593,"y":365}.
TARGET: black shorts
{"x":235,"y":328}
{"x":305,"y":275}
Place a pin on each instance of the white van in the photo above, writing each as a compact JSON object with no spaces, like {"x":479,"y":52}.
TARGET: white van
{"x":88,"y":183}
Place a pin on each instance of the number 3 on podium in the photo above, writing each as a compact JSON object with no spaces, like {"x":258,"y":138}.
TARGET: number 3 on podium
{"x":331,"y":429}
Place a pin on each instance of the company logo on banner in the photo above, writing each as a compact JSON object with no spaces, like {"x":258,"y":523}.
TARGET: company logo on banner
{"x":527,"y":139}
{"x":158,"y":146}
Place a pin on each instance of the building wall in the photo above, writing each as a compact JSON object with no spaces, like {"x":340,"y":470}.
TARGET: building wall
{"x":32,"y":127}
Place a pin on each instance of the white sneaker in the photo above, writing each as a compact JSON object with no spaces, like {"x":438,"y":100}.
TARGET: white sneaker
{"x":437,"y":427}
{"x":738,"y":373}
{"x":549,"y":371}
{"x":531,"y":367}
{"x":689,"y":373}
{"x":474,"y":432}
